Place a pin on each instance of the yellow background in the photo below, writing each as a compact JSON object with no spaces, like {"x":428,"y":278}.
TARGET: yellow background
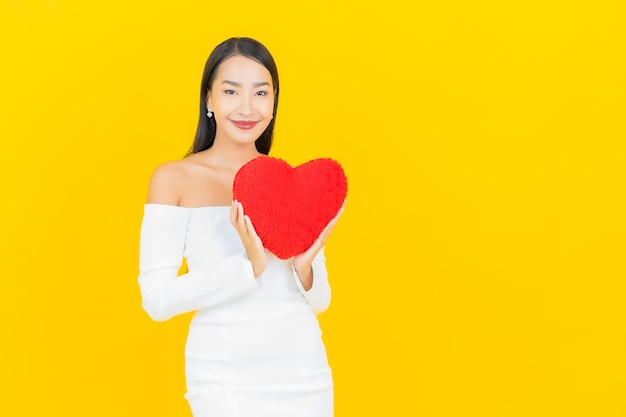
{"x":478,"y":269}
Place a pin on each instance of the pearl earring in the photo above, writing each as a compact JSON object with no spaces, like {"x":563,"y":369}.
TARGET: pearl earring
{"x":209,"y":114}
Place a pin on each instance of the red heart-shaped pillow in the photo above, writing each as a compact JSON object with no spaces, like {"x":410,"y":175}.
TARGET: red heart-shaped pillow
{"x":289,"y":207}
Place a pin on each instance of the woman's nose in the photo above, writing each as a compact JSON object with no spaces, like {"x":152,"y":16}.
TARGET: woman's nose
{"x":245,"y":105}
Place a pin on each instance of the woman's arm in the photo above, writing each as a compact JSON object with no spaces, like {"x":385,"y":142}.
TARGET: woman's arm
{"x":317,"y":293}
{"x":310,"y":270}
{"x":164,"y":293}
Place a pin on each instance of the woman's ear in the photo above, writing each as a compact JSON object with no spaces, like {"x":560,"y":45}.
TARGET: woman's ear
{"x":209,"y":103}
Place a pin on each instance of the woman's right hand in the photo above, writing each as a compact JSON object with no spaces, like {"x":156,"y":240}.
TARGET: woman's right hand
{"x":251,"y":241}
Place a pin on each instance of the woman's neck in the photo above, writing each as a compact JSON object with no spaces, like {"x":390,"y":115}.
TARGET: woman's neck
{"x":230,"y":156}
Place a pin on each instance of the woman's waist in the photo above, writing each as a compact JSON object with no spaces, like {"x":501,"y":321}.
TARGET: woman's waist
{"x":281,"y":334}
{"x":254,"y":308}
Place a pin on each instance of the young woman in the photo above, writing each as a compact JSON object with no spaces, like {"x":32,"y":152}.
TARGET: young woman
{"x":254,"y":347}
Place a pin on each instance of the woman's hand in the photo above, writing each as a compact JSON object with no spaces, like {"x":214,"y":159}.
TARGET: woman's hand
{"x":251,"y":241}
{"x":302,"y":263}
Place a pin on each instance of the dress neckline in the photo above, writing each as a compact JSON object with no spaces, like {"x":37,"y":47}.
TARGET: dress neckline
{"x":186,"y":208}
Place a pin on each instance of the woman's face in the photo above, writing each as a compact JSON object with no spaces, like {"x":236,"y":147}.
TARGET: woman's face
{"x":241,"y":99}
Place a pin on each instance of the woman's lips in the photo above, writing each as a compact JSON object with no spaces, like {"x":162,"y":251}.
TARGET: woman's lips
{"x":244,"y":124}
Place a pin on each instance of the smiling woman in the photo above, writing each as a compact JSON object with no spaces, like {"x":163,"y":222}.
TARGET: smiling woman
{"x":241,"y":111}
{"x":254,"y":346}
{"x":263,"y":75}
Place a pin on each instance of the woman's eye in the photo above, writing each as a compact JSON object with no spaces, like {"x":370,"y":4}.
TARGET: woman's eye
{"x":261,"y":93}
{"x":230,"y":91}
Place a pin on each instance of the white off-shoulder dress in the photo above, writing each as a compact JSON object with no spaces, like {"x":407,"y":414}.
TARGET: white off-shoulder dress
{"x":254,"y":347}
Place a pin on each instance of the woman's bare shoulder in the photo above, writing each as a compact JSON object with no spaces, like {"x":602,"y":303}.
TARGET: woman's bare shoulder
{"x":167,"y":183}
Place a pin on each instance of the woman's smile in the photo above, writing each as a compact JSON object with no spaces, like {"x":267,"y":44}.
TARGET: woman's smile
{"x":244,"y":124}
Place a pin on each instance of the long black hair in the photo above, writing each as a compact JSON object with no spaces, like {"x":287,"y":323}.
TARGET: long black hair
{"x":250,"y":48}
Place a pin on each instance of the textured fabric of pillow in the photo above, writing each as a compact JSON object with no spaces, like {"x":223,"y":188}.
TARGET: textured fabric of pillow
{"x":290,"y":206}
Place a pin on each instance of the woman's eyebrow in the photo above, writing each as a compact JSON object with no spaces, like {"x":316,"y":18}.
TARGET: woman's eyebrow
{"x":236,"y":84}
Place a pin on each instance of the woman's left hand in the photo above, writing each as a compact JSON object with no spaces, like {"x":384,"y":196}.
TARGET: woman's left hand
{"x":302,"y":263}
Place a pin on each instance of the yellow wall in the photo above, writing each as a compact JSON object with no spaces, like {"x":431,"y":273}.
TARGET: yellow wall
{"x":478,"y":269}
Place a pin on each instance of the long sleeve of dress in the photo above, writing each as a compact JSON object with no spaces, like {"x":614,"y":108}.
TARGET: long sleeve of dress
{"x":318,"y":296}
{"x":164,"y":293}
